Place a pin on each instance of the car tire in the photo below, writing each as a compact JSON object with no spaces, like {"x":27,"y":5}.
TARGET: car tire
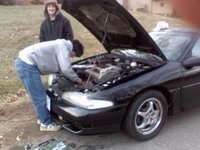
{"x":146,"y":115}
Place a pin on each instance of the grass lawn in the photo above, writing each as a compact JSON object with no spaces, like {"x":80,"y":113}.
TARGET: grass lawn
{"x":19,"y":27}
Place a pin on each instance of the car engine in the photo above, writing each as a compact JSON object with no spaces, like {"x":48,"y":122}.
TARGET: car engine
{"x":100,"y":72}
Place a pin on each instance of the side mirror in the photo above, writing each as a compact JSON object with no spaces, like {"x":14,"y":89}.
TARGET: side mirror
{"x":191,"y":62}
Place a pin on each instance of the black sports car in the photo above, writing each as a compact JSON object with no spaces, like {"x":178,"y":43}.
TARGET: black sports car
{"x":139,"y":81}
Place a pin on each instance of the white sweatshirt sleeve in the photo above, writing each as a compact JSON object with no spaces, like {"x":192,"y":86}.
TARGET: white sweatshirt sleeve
{"x":64,"y":61}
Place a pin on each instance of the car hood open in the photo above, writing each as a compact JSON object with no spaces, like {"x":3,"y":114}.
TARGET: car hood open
{"x":112,"y":25}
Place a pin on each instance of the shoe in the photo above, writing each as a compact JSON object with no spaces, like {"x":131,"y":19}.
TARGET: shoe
{"x":38,"y":122}
{"x":50,"y":127}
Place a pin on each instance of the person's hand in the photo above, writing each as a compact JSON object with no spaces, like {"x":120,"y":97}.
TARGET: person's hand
{"x":80,"y":82}
{"x":189,"y":10}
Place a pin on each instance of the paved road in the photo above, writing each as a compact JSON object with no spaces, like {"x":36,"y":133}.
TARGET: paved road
{"x":181,"y":132}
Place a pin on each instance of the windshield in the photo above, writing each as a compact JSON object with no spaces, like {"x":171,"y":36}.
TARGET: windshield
{"x":172,"y":45}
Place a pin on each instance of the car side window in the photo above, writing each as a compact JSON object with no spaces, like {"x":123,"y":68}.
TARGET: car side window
{"x":196,"y":49}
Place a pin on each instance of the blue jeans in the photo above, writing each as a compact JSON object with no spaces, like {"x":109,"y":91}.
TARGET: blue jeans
{"x":30,"y":77}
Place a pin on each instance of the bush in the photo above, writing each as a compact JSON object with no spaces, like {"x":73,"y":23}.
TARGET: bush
{"x":7,"y":2}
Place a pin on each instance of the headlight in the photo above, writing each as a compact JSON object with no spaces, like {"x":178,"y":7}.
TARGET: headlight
{"x":80,"y":99}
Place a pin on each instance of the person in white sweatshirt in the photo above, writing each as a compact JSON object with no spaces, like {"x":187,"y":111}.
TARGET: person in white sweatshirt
{"x":43,"y":59}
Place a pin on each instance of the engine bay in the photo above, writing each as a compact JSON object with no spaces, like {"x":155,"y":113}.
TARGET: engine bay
{"x":101,"y":72}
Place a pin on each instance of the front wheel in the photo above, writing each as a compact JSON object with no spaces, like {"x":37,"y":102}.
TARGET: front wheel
{"x":146,"y":115}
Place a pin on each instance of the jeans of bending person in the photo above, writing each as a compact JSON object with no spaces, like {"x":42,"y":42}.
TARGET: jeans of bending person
{"x":31,"y":80}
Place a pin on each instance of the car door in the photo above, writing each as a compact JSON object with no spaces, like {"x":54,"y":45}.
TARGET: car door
{"x":190,"y":94}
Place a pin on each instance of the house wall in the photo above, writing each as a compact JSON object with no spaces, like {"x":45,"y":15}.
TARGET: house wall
{"x":149,"y":6}
{"x":136,"y":5}
{"x":158,"y":8}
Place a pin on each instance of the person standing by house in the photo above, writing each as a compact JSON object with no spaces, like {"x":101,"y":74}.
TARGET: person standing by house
{"x":55,"y":25}
{"x":42,"y":59}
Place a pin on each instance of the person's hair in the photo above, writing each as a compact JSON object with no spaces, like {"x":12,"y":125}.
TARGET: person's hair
{"x":78,"y":48}
{"x":46,"y":15}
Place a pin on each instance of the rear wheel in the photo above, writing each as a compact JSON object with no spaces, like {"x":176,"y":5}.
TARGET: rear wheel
{"x":146,"y":115}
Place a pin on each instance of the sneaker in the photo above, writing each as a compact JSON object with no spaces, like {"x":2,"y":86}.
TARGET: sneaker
{"x":50,"y":127}
{"x":38,"y":122}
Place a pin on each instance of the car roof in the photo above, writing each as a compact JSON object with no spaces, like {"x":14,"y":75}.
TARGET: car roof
{"x":180,"y":30}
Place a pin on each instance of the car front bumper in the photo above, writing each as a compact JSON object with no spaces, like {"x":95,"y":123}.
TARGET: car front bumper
{"x":84,"y":121}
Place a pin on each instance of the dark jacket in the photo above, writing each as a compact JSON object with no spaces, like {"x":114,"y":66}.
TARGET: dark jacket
{"x":60,"y":28}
